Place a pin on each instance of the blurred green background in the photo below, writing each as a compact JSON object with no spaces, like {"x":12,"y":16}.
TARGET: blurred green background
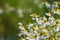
{"x":9,"y":19}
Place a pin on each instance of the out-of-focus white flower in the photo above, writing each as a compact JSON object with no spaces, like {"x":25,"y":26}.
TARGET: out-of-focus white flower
{"x":58,"y":11}
{"x":46,"y":23}
{"x":20,"y":27}
{"x":44,"y":18}
{"x":44,"y":30}
{"x":37,"y":38}
{"x":19,"y":34}
{"x":58,"y":24}
{"x":57,"y":36}
{"x":30,"y":25}
{"x":34,"y":15}
{"x":48,"y":14}
{"x":19,"y":23}
{"x":43,"y":26}
{"x":56,"y":29}
{"x":57,"y":33}
{"x":43,"y":37}
{"x":23,"y":39}
{"x":52,"y":19}
{"x":1,"y":11}
{"x":32,"y":33}
{"x":35,"y":31}
{"x":54,"y":11}
{"x":43,"y":23}
{"x":33,"y":18}
{"x":56,"y":4}
{"x":20,"y":13}
{"x":40,"y":18}
{"x":47,"y":4}
{"x":40,"y":22}
{"x":37,"y":19}
{"x":27,"y":38}
{"x":40,"y":6}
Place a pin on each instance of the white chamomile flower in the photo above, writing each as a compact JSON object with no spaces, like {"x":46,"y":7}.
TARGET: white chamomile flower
{"x":41,"y":37}
{"x":47,"y":4}
{"x":33,"y":18}
{"x":44,"y":30}
{"x":40,"y":5}
{"x":30,"y":25}
{"x":54,"y":11}
{"x":56,"y":4}
{"x":40,"y":18}
{"x":32,"y":15}
{"x":40,"y":22}
{"x":27,"y":38}
{"x":57,"y":36}
{"x":35,"y":31}
{"x":37,"y":19}
{"x":20,"y":27}
{"x":43,"y":26}
{"x":58,"y":13}
{"x":52,"y":19}
{"x":44,"y":18}
{"x":23,"y":39}
{"x":36,"y":38}
{"x":48,"y":14}
{"x":19,"y":34}
{"x":19,"y":23}
{"x":56,"y":29}
{"x":47,"y":23}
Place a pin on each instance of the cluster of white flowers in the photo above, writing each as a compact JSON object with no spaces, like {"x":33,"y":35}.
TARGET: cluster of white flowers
{"x":44,"y":28}
{"x":54,"y":7}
